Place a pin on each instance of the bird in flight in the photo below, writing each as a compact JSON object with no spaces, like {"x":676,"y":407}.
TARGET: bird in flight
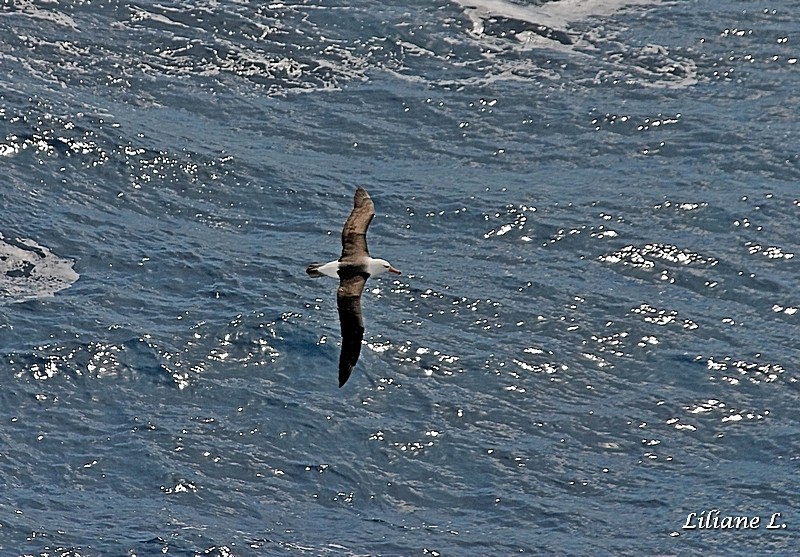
{"x":352,"y":269}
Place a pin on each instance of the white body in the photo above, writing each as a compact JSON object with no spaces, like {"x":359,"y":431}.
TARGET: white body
{"x":372,"y":266}
{"x":330,"y":269}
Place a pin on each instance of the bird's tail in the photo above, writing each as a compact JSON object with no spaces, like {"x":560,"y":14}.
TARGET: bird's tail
{"x":313,"y":270}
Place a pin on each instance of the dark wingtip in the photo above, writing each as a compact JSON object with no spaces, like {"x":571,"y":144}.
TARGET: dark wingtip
{"x":344,"y":375}
{"x":360,"y":195}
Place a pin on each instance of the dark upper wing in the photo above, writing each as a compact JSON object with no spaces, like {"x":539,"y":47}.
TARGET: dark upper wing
{"x":354,"y":233}
{"x":348,"y":300}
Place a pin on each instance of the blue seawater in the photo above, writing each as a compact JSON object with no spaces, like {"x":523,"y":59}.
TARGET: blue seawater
{"x":594,"y":343}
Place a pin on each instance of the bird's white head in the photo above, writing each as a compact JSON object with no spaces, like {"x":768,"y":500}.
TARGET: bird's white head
{"x":378,"y":266}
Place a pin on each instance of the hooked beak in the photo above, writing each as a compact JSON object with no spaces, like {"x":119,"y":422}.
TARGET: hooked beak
{"x":395,"y":271}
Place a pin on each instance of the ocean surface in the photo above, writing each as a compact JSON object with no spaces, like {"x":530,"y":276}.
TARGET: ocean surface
{"x":594,"y":348}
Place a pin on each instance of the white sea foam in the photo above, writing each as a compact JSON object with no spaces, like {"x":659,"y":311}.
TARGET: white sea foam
{"x":29,"y":270}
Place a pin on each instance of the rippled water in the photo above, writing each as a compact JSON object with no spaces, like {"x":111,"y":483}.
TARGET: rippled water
{"x":594,"y":205}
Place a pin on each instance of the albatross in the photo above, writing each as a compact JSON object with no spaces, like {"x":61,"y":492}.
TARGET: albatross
{"x":352,"y":269}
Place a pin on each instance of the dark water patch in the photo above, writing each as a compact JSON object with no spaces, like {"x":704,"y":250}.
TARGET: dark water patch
{"x":95,"y":360}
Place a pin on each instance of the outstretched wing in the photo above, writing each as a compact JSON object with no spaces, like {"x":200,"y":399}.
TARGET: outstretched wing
{"x":348,"y":300}
{"x":354,"y":233}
